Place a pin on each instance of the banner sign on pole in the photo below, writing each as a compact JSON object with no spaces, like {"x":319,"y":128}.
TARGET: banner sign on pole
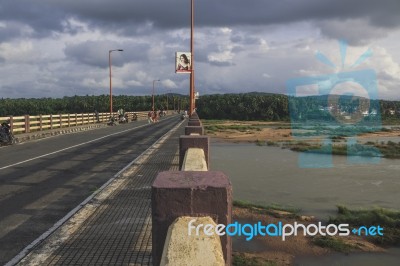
{"x":182,"y":62}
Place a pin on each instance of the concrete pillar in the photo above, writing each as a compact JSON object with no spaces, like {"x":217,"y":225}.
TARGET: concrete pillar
{"x":190,"y":193}
{"x":194,"y":116}
{"x":186,"y":142}
{"x":192,"y":129}
{"x":194,"y":122}
{"x":201,"y":249}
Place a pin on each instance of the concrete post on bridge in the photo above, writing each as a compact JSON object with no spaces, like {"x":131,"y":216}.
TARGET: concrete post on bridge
{"x":194,"y":126}
{"x":194,"y":138}
{"x":192,"y":193}
{"x":189,"y":130}
{"x":194,"y":141}
{"x":194,"y":122}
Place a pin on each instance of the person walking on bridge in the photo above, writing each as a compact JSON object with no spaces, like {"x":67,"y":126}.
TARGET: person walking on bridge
{"x":150,"y":117}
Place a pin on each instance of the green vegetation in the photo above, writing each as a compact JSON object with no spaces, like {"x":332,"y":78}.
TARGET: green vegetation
{"x":239,"y":259}
{"x":212,"y":126}
{"x":241,"y":128}
{"x":272,"y":209}
{"x":87,"y":104}
{"x":389,"y":220}
{"x":369,"y":149}
{"x":243,"y":106}
{"x":268,"y":143}
{"x":333,"y":243}
{"x":389,"y":150}
{"x":275,"y":107}
{"x":335,"y":133}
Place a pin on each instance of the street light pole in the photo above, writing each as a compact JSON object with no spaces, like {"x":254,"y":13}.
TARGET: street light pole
{"x":153,"y":92}
{"x":191,"y":100}
{"x":167,"y":100}
{"x":109,"y":64}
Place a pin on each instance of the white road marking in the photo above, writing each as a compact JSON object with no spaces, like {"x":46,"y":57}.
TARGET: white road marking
{"x":85,"y":207}
{"x":68,"y":148}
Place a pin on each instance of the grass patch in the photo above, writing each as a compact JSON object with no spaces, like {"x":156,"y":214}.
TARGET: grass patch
{"x":243,"y":128}
{"x":333,"y":243}
{"x":224,"y":128}
{"x":260,"y":142}
{"x":239,"y":259}
{"x":389,"y":220}
{"x":272,"y":210}
{"x":267,"y":143}
{"x":335,"y":132}
{"x":350,"y":150}
{"x":389,"y":149}
{"x":272,"y":143}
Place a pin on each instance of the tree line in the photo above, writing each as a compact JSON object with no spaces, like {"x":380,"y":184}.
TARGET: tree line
{"x":88,"y":104}
{"x":242,"y":106}
{"x":277,"y":107}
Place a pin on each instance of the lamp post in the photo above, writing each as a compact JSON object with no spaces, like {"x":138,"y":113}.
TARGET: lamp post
{"x":109,"y":64}
{"x":167,"y":101}
{"x":191,"y":99}
{"x":153,"y":92}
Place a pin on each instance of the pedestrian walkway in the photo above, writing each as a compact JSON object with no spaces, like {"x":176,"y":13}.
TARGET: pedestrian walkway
{"x":114,"y":227}
{"x":54,"y":132}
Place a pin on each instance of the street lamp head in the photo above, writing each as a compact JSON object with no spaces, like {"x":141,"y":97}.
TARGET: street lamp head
{"x":120,"y":50}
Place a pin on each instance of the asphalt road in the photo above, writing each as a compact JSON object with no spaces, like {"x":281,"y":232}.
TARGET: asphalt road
{"x":42,"y":180}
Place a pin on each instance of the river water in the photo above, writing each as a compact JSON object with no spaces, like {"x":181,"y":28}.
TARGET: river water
{"x":271,"y":175}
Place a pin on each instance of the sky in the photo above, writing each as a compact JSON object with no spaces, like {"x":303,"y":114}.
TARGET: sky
{"x":57,"y":48}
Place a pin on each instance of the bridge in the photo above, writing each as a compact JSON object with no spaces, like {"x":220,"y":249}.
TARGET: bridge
{"x":87,"y":198}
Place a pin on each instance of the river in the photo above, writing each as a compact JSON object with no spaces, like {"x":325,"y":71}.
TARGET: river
{"x":271,"y":175}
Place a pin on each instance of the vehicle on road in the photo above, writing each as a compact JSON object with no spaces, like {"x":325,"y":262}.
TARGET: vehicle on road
{"x":111,"y":122}
{"x":6,"y":136}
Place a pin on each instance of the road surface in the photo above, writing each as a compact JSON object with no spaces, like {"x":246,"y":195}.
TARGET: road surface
{"x":42,"y":180}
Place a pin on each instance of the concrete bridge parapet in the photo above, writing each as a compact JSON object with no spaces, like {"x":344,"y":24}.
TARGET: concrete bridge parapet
{"x":202,"y":193}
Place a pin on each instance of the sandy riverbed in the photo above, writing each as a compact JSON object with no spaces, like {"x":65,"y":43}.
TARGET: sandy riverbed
{"x":276,"y":131}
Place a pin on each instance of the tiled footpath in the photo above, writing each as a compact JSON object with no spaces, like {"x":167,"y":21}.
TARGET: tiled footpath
{"x":114,"y":227}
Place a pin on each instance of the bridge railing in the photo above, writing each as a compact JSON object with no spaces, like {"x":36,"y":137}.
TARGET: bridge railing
{"x":32,"y":123}
{"x":183,"y":200}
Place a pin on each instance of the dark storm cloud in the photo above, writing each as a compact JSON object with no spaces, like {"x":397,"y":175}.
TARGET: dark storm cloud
{"x":43,"y":18}
{"x":355,"y":32}
{"x":96,"y":53}
{"x":124,"y":16}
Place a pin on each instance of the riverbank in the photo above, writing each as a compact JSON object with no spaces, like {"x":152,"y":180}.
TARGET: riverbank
{"x":272,"y":250}
{"x":309,"y":139}
{"x":253,"y":131}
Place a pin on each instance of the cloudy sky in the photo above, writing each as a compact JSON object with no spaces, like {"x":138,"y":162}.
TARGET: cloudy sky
{"x":56,"y":48}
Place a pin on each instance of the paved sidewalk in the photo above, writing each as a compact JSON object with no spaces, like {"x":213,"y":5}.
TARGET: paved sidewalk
{"x":57,"y":131}
{"x":114,"y":227}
